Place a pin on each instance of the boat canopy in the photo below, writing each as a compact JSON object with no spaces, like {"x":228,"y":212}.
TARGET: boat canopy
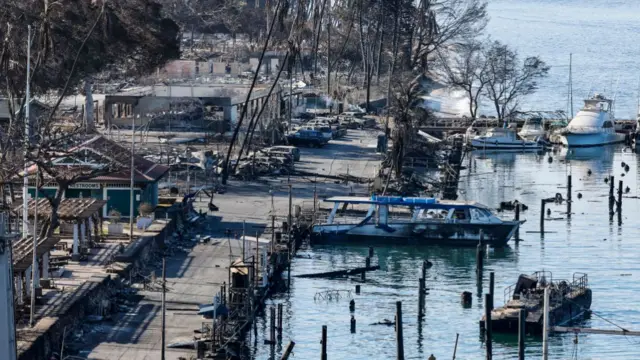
{"x":429,"y":203}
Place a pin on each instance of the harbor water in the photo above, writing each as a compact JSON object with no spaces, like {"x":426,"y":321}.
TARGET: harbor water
{"x":590,"y":242}
{"x":602,"y":35}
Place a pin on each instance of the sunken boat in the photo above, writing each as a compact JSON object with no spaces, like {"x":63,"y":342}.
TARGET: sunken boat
{"x":568,"y":300}
{"x":391,"y":219}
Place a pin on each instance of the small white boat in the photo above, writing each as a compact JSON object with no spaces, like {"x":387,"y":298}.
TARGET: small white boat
{"x":479,"y":127}
{"x":532,"y":129}
{"x":593,"y":125}
{"x":504,"y":139}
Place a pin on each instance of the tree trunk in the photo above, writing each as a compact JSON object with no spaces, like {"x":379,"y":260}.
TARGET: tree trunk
{"x":88,"y":105}
{"x":55,"y":204}
{"x":379,"y":65}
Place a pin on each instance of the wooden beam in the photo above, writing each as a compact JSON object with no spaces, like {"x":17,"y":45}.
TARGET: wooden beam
{"x":594,"y":331}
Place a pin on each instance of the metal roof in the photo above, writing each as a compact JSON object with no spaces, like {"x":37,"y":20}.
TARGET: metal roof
{"x":70,"y":209}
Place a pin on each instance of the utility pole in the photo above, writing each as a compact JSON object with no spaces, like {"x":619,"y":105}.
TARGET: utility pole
{"x":164,"y":308}
{"x":131,"y":198}
{"x":27,"y":138}
{"x":35,"y":270}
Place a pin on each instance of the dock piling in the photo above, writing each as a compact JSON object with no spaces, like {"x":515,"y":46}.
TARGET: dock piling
{"x":370,"y":252}
{"x":323,"y":342}
{"x":518,"y":219}
{"x":522,"y":318}
{"x":357,"y":289}
{"x":487,"y":325}
{"x":352,"y":305}
{"x":290,"y":217}
{"x":569,"y":185}
{"x":479,"y":260}
{"x":399,"y":337}
{"x":421,"y":302}
{"x":280,"y":309}
{"x":424,"y":269}
{"x":543,"y":204}
{"x":545,"y":324}
{"x":367,"y":263}
{"x":619,"y":204}
{"x":353,"y":324}
{"x":273,"y":326}
{"x":491,"y":285}
{"x":612,"y":198}
{"x":288,"y":350}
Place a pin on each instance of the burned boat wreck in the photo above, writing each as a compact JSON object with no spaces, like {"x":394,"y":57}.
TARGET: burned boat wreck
{"x":567,"y":301}
{"x":412,"y":220}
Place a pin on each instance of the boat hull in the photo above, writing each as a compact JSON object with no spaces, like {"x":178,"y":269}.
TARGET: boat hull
{"x":560,"y":315}
{"x":496,"y":145}
{"x":591,"y":139}
{"x":496,"y":235}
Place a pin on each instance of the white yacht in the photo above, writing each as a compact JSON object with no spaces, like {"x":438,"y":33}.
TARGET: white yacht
{"x":532,"y":129}
{"x":593,"y":125}
{"x":479,"y":127}
{"x":504,"y":139}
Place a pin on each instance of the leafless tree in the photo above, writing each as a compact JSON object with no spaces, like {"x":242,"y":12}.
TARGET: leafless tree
{"x":465,"y":69}
{"x":508,"y":79}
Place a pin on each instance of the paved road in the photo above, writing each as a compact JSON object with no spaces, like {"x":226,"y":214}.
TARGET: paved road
{"x":193,"y":277}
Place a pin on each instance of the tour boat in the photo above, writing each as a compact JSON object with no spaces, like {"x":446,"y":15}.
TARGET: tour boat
{"x":532,"y":129}
{"x":567,"y":301}
{"x":593,"y":125}
{"x":411,"y":220}
{"x":504,"y":139}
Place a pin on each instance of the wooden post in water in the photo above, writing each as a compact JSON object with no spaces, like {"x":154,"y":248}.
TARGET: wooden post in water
{"x":479,"y":260}
{"x":424,"y":269}
{"x":620,"y":184}
{"x":545,"y":325}
{"x":612,"y":198}
{"x":357,"y":289}
{"x":399,"y":336}
{"x":518,"y":219}
{"x":487,"y":325}
{"x":273,"y":326}
{"x":542,"y":210}
{"x":280,"y":309}
{"x":491,"y":286}
{"x":367,"y":263}
{"x":522,"y":321}
{"x":421,"y":301}
{"x":569,"y":196}
{"x":370,"y":252}
{"x":323,"y":355}
{"x":288,"y":351}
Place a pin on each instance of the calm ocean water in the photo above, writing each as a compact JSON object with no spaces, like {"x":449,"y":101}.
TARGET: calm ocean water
{"x":602,"y":35}
{"x":589,"y":242}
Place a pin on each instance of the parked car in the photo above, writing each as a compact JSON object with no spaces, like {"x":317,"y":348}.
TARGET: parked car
{"x":293,"y":151}
{"x":305,"y":137}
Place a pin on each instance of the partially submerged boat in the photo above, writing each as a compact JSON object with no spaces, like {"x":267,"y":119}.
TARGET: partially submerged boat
{"x":411,"y":220}
{"x":568,"y":301}
{"x":504,"y":139}
{"x":593,"y":125}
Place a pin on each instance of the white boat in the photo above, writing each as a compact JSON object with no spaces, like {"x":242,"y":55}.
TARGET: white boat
{"x":593,"y":125}
{"x":479,"y":127}
{"x":532,"y":129}
{"x":504,"y":139}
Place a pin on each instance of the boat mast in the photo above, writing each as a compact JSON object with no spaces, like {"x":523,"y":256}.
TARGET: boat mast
{"x":571,"y":83}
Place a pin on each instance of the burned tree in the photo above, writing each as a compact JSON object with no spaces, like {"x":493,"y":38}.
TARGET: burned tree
{"x":508,"y":80}
{"x":465,"y":70}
